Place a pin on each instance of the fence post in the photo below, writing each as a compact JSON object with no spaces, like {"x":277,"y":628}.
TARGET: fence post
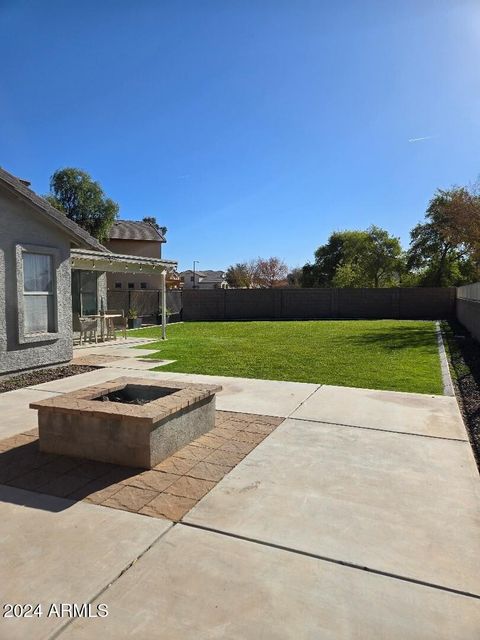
{"x":334,"y":303}
{"x":396,"y":312}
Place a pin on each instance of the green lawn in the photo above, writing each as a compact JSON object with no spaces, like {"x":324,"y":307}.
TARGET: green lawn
{"x":375,"y":354}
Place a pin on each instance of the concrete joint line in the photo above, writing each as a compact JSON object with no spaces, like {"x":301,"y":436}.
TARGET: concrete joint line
{"x":401,"y":433}
{"x":62,"y":628}
{"x":303,"y":401}
{"x":448,"y":389}
{"x":344,"y":563}
{"x":56,"y":391}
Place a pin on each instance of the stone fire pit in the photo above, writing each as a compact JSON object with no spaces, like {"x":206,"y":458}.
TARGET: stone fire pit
{"x":129,"y":421}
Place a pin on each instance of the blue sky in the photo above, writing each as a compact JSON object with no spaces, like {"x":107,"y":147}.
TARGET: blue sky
{"x":246,"y":127}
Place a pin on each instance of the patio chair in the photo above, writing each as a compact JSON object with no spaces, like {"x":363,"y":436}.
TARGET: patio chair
{"x":85,"y":326}
{"x":116,"y":323}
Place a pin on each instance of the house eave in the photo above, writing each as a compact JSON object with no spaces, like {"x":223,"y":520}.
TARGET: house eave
{"x":87,"y":260}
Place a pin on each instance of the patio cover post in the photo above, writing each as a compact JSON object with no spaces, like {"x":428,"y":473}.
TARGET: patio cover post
{"x":164,"y":301}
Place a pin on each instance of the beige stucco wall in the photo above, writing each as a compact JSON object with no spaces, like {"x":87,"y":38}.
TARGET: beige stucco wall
{"x":135,"y":248}
{"x":153,"y":282}
{"x":145,"y":248}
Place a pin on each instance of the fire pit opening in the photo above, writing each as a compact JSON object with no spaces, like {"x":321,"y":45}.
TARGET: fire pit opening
{"x":136,"y":394}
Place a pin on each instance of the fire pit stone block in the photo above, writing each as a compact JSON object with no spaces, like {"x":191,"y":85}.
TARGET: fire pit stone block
{"x":88,"y":424}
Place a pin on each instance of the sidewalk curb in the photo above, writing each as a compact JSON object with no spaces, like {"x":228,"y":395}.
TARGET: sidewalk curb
{"x":448,"y":388}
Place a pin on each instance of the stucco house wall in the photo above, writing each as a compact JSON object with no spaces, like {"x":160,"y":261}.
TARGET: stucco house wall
{"x":146,"y":248}
{"x":22,"y":226}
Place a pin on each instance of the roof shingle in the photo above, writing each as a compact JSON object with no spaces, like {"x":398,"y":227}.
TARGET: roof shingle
{"x":135,"y":230}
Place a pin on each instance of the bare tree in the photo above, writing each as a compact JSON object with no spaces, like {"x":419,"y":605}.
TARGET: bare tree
{"x":269,"y":272}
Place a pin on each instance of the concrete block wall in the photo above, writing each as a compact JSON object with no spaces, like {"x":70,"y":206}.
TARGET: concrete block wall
{"x":314,"y":304}
{"x":468,"y":308}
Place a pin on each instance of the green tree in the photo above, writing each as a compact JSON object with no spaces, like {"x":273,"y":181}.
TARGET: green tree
{"x":370,"y":258}
{"x":240,"y":275}
{"x":295,"y":277}
{"x":153,"y":221}
{"x":82,"y":200}
{"x":445,"y":249}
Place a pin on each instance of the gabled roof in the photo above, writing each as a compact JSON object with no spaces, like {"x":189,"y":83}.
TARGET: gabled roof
{"x":20,"y":189}
{"x":135,"y":230}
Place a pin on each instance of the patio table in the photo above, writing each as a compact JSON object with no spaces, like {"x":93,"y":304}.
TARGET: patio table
{"x":103,"y":321}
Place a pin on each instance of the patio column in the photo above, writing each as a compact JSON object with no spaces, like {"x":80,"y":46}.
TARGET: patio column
{"x":164,"y":305}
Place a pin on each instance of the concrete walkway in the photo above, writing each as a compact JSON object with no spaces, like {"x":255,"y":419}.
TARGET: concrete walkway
{"x":357,"y":518}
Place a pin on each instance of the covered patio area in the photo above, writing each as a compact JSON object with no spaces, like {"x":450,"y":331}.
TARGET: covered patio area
{"x":90,"y":304}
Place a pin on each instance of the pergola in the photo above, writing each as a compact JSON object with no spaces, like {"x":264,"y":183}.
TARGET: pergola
{"x":105,"y":261}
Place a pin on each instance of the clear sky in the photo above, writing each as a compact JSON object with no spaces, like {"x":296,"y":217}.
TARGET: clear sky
{"x":247,"y":127}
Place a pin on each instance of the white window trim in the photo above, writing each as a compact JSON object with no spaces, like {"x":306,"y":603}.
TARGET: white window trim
{"x":20,"y":249}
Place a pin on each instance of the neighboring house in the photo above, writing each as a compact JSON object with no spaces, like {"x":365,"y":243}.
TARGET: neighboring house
{"x":44,"y":259}
{"x":203,"y":279}
{"x":138,"y":238}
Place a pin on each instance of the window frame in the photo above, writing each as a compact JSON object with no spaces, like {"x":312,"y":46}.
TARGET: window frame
{"x":20,"y":250}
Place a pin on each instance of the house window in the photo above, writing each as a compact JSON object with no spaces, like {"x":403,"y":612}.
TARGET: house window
{"x":192,"y":278}
{"x":84,"y":292}
{"x":118,"y":285}
{"x":143,"y":285}
{"x":38,"y":293}
{"x":131,"y":285}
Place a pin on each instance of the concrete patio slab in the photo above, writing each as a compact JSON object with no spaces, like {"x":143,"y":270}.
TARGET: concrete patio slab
{"x":135,"y":363}
{"x":405,"y":412}
{"x":15,"y":414}
{"x":74,"y":383}
{"x":99,"y":346}
{"x":195,"y":584}
{"x":249,"y":395}
{"x":126,"y":351}
{"x":244,"y":395}
{"x":395,"y":503}
{"x":56,"y":551}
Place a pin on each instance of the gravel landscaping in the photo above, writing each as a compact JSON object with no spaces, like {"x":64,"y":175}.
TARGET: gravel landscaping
{"x":42,"y":375}
{"x":464,"y":357}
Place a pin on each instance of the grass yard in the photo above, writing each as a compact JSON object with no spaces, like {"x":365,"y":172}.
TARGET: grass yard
{"x":400,"y":355}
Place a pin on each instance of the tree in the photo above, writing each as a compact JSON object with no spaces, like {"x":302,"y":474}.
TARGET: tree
{"x":82,"y":200}
{"x":270,"y":272}
{"x":383,"y":260}
{"x":370,"y":258}
{"x":259,"y":273}
{"x":445,"y":249}
{"x":153,"y":221}
{"x":294,"y":278}
{"x":242,"y":275}
{"x":239,"y":276}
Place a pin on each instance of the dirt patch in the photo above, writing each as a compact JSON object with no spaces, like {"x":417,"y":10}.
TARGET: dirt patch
{"x":464,"y":358}
{"x":42,"y":375}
